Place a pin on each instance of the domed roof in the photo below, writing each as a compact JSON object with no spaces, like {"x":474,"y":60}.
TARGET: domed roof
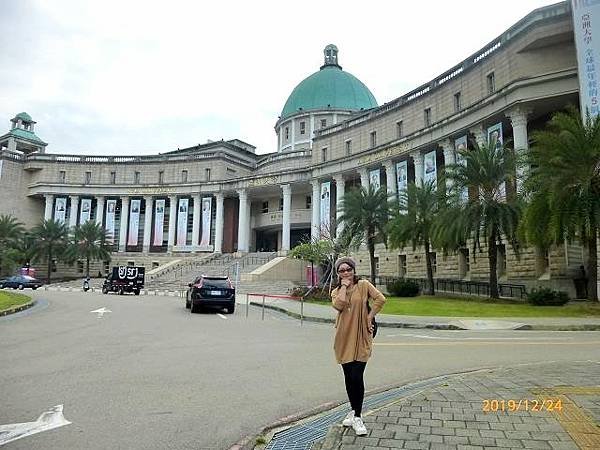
{"x":24,"y":116}
{"x":329,"y":88}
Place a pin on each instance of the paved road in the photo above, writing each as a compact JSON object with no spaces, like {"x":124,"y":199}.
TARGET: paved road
{"x":150,"y":375}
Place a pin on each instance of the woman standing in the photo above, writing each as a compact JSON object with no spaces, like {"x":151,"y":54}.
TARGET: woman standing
{"x":353,"y":335}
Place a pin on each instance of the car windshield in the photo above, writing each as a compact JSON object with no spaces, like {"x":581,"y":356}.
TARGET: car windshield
{"x":27,"y":278}
{"x":215,"y":283}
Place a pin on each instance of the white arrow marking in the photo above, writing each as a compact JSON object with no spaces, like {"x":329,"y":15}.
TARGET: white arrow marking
{"x":221,"y":316}
{"x":101,"y":311}
{"x":48,"y":420}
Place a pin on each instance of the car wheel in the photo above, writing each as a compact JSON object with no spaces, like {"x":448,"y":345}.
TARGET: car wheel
{"x":230,"y":309}
{"x":136,"y":292}
{"x":21,"y":287}
{"x":104,"y":290}
{"x":34,"y":288}
{"x":121,"y":291}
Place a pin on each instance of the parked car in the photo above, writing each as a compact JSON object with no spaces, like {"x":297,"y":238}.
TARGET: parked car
{"x":21,"y":282}
{"x":124,"y":279}
{"x":212,"y":292}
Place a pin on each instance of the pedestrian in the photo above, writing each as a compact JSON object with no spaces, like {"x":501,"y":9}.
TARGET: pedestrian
{"x":354,"y":334}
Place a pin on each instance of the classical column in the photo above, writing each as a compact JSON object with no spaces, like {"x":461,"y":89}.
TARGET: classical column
{"x":418,"y":160}
{"x":99,"y":210}
{"x":49,"y":205}
{"x":172,"y":222}
{"x":148,"y":210}
{"x":196,"y":222}
{"x":219,"y":223}
{"x":449,"y":159}
{"x":124,"y":220}
{"x":518,"y":120}
{"x":243,"y":221}
{"x":480,"y":135}
{"x":287,"y":217}
{"x":340,"y":189}
{"x":316,"y":210}
{"x":74,"y":209}
{"x":390,"y":179}
{"x":364,"y":178}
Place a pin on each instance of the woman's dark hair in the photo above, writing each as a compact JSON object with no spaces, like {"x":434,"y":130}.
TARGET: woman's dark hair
{"x":339,"y":281}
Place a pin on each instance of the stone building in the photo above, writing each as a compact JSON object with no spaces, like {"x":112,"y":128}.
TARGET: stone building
{"x":331,"y":135}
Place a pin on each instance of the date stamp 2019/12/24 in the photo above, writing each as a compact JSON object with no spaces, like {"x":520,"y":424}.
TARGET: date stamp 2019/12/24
{"x":514,"y":405}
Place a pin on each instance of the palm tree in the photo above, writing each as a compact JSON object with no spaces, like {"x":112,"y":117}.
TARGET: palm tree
{"x":564,"y":186}
{"x":490,"y":213}
{"x":414,"y":222}
{"x":88,"y":241}
{"x":366,"y":212}
{"x":51,"y":240}
{"x":11,"y":231}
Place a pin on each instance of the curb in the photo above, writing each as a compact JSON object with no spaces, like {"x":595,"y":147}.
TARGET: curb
{"x":17,"y":309}
{"x":435,"y":326}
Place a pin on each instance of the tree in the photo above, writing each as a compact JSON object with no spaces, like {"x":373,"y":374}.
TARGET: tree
{"x":11,"y":231}
{"x":88,"y":241}
{"x":564,"y":187}
{"x":490,"y":213}
{"x":414,"y":222}
{"x":366,"y":212}
{"x":51,"y":240}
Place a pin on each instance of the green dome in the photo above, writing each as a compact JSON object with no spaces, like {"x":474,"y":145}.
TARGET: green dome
{"x":330,"y":87}
{"x":24,"y":116}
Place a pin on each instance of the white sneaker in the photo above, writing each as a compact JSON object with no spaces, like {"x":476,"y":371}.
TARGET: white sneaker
{"x":359,"y":427}
{"x":349,"y":420}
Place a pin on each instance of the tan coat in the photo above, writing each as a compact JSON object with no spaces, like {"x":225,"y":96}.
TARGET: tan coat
{"x":353,"y":342}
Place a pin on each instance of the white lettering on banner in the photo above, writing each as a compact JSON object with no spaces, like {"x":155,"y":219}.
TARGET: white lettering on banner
{"x":111,"y":206}
{"x":586,"y":27}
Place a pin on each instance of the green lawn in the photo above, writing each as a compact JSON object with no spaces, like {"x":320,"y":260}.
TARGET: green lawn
{"x":452,"y":307}
{"x":8,"y":300}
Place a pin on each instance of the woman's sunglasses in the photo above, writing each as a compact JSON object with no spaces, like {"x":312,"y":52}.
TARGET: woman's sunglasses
{"x":345,"y":270}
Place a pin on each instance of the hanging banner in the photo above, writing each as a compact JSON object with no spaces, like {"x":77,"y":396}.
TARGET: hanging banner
{"x":60,"y":209}
{"x":494,"y":135}
{"x":182,"y":221}
{"x":586,"y":22}
{"x":325,"y":207}
{"x":1,"y":162}
{"x":375,"y":179}
{"x":430,"y":169}
{"x":86,"y":210}
{"x":206,"y":216}
{"x":460,"y":145}
{"x":159,"y":222}
{"x":402,"y":176}
{"x":111,"y":206}
{"x":134,"y":222}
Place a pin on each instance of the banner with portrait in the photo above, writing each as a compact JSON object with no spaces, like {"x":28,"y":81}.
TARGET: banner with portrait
{"x":134,"y":222}
{"x":111,"y":206}
{"x":159,"y":222}
{"x":325,"y":207}
{"x":375,"y":179}
{"x":182,"y":221}
{"x":460,"y":145}
{"x":60,"y":209}
{"x":586,"y":22}
{"x":430,"y":169}
{"x":402,"y":176}
{"x":494,"y":136}
{"x":206,"y":218}
{"x":86,"y":210}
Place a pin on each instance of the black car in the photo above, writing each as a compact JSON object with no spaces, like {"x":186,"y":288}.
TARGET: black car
{"x":21,"y":282}
{"x":212,"y":292}
{"x":124,"y":279}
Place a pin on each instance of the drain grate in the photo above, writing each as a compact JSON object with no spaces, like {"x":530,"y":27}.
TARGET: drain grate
{"x":302,"y":437}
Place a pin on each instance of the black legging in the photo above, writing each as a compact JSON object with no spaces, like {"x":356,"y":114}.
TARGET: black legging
{"x":355,"y":385}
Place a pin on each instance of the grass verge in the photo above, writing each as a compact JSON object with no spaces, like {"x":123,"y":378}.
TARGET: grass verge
{"x":9,"y":300}
{"x":478,"y":307}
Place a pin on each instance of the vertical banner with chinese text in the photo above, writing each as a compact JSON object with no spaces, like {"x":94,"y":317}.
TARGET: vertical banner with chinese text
{"x":182,"y":221}
{"x":60,"y":209}
{"x":494,"y":136}
{"x":86,"y":210}
{"x":111,"y":206}
{"x":134,"y":222}
{"x":402,"y":176}
{"x":460,"y":146}
{"x":159,"y":221}
{"x":206,"y":217}
{"x":430,"y":169}
{"x":586,"y":27}
{"x":375,"y":179}
{"x":325,"y":208}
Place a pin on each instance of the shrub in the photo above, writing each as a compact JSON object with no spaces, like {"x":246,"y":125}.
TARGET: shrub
{"x":547,"y":297}
{"x":403,"y":288}
{"x":317,"y":293}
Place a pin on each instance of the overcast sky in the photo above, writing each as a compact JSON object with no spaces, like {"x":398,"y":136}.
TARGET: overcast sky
{"x":143,"y":77}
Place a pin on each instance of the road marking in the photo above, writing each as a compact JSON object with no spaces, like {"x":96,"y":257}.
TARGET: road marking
{"x":101,"y":311}
{"x":48,"y":420}
{"x":221,"y":316}
{"x":424,"y":344}
{"x":423,"y":336}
